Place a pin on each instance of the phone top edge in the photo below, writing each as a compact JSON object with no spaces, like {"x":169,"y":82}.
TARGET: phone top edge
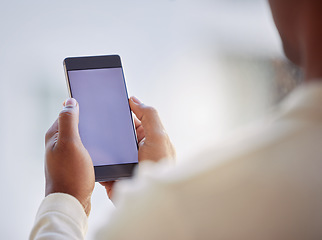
{"x":91,"y":56}
{"x":92,"y":62}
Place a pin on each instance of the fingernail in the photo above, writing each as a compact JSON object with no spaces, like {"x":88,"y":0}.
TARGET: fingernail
{"x":70,"y":102}
{"x":135,"y":100}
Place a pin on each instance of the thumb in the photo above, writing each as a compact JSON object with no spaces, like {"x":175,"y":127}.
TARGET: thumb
{"x":68,"y":120}
{"x":148,"y":116}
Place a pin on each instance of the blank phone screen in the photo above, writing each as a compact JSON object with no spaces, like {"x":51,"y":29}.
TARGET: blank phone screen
{"x":105,"y":122}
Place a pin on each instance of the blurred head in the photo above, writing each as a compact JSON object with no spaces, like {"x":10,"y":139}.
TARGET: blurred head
{"x":298,"y":21}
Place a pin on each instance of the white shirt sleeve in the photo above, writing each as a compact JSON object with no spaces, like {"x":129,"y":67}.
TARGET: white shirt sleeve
{"x":60,"y":216}
{"x":146,"y":207}
{"x":262,"y":184}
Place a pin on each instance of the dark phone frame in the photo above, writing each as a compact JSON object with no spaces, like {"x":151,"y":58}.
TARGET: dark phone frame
{"x":106,"y":172}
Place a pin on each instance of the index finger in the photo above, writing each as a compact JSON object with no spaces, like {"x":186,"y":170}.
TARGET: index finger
{"x":137,"y":122}
{"x":148,"y":116}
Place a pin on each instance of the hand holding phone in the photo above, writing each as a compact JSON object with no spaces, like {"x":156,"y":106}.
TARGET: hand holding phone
{"x":154,"y":143}
{"x":68,"y":166}
{"x":105,"y":121}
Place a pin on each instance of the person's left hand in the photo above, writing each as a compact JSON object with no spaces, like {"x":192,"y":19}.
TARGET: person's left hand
{"x":68,"y":166}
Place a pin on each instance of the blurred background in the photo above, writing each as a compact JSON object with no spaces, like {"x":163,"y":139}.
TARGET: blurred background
{"x":208,"y":66}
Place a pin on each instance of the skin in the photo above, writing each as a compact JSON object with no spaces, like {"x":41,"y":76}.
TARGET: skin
{"x":68,"y":166}
{"x":299,"y":24}
{"x":154,"y":143}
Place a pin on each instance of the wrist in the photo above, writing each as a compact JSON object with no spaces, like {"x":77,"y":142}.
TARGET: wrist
{"x":85,"y":203}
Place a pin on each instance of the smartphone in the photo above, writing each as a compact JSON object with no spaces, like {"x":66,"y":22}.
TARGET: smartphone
{"x":106,"y":126}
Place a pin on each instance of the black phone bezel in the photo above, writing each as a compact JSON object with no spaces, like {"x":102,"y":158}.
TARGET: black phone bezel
{"x":106,"y":172}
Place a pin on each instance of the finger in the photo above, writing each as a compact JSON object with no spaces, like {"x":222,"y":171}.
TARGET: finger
{"x":140,"y":133}
{"x":138,"y":128}
{"x":107,"y":184}
{"x":68,"y":120}
{"x":137,"y":122}
{"x":109,"y":188}
{"x":148,"y":116}
{"x":52,"y":131}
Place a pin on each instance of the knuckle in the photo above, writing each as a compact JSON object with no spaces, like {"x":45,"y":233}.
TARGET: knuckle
{"x":67,"y":142}
{"x":161,"y":137}
{"x":67,"y":147}
{"x":65,"y":114}
{"x":151,"y":110}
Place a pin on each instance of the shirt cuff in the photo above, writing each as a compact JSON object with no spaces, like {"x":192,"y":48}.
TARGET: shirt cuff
{"x":66,"y":205}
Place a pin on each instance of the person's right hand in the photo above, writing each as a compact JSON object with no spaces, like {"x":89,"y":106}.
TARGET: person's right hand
{"x":153,"y":141}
